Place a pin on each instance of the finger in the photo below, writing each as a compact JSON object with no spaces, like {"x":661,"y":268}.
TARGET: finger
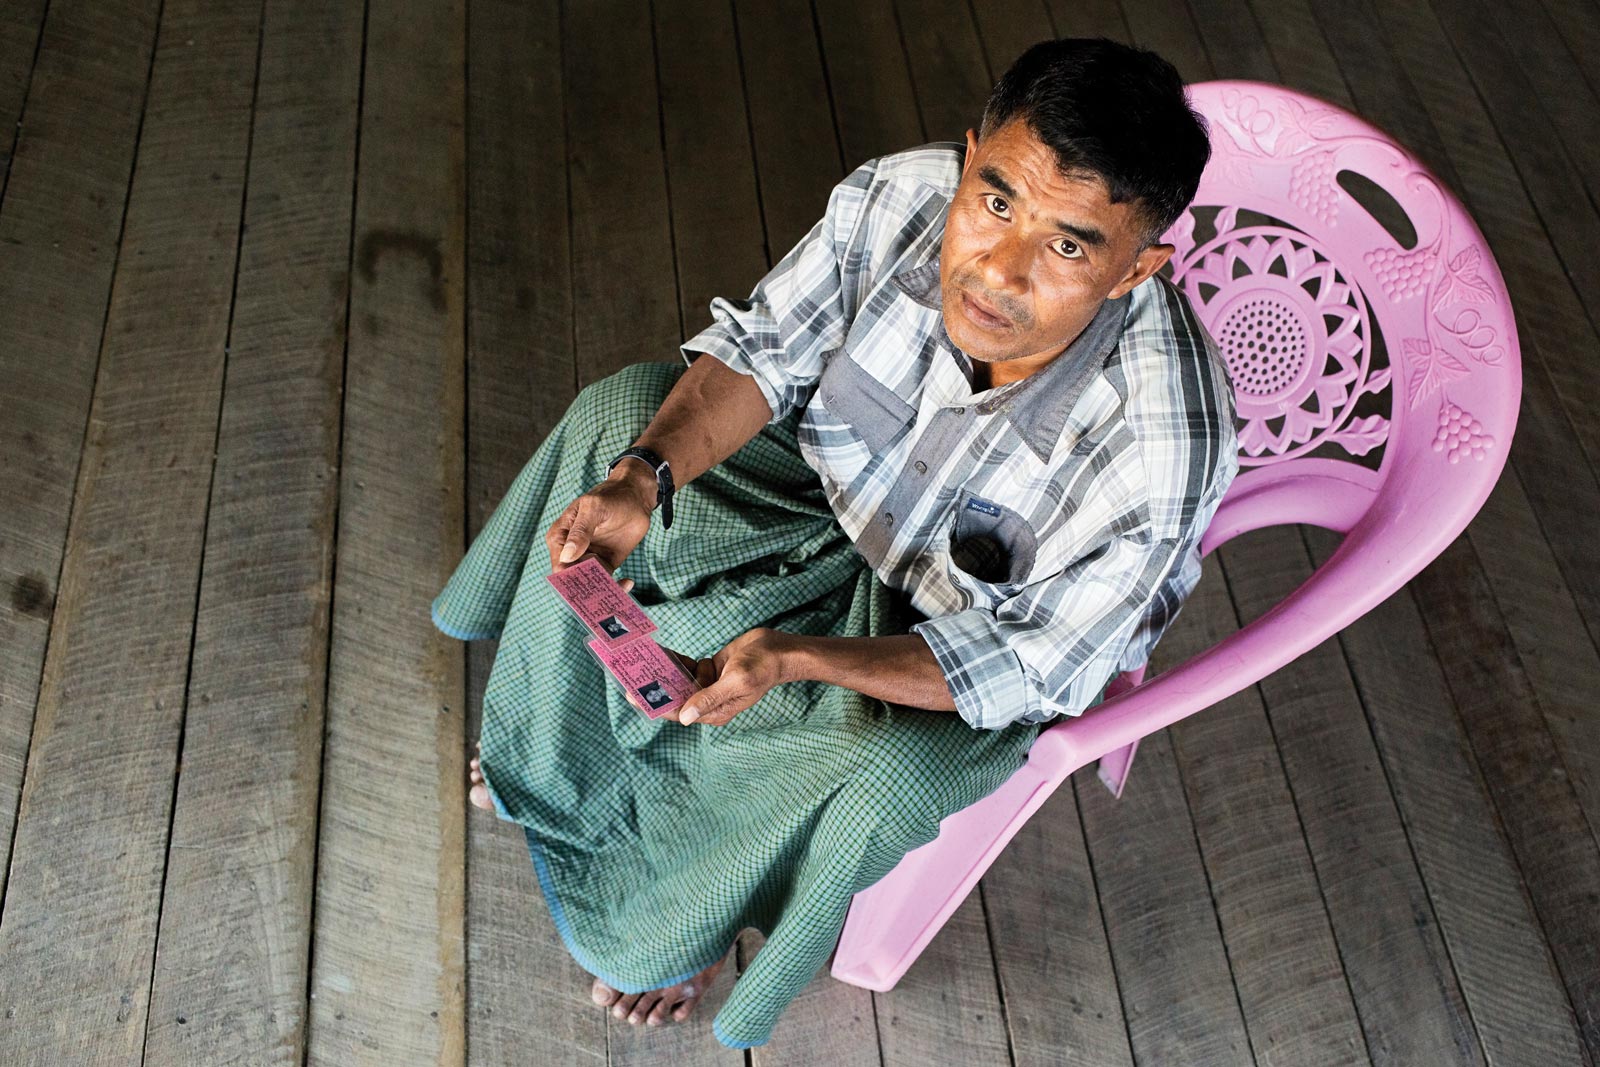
{"x":722,"y":716}
{"x":556,"y":536}
{"x":705,"y":673}
{"x":579,"y":532}
{"x":627,"y":585}
{"x":708,"y":705}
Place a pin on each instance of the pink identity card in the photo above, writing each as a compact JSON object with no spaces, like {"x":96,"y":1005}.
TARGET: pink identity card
{"x":648,"y":673}
{"x":622,"y":642}
{"x":605,"y":607}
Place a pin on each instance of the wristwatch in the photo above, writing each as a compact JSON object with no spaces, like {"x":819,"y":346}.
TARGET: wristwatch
{"x":663,"y":479}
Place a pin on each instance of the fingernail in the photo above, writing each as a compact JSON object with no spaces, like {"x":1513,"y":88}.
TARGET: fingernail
{"x":569,"y":552}
{"x":689,"y":714}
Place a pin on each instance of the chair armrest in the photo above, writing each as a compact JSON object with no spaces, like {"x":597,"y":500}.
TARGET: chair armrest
{"x":1372,"y":562}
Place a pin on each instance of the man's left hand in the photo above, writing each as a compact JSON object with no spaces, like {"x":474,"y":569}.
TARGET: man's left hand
{"x":736,"y":677}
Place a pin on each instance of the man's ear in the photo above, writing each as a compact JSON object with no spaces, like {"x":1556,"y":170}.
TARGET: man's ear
{"x":972,"y":150}
{"x":1145,"y":264}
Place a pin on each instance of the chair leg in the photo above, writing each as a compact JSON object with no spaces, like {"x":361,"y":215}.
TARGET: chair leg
{"x":1114,"y":768}
{"x":891,"y":921}
{"x":1115,"y":765}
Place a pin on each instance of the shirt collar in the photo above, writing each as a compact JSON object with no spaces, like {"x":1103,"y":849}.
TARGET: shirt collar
{"x":1039,"y":404}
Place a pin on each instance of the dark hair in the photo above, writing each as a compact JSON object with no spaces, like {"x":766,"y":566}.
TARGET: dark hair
{"x":1113,"y":111}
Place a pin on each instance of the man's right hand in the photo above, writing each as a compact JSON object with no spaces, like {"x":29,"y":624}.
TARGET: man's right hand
{"x":607,"y":522}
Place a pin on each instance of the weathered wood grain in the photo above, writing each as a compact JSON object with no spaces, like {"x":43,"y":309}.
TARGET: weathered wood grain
{"x":874,"y":105}
{"x":1522,"y":769}
{"x":1171,"y":963}
{"x":232,"y":954}
{"x":1050,"y":951}
{"x":717,"y":231}
{"x":21,"y":24}
{"x":797,"y":155}
{"x":59,"y":226}
{"x":1475,"y":891}
{"x":78,"y":937}
{"x":1260,"y":851}
{"x":387,"y":952}
{"x":625,"y":307}
{"x":947,"y":1006}
{"x":947,"y":66}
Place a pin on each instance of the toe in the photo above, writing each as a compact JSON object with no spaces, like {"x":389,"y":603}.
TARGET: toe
{"x":681,"y":1012}
{"x":661,"y":1012}
{"x":479,"y":795}
{"x":642,"y":1008}
{"x":603,"y":994}
{"x":624,"y":1005}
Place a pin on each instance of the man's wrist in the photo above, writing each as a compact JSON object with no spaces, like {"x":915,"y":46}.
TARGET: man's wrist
{"x":637,"y":473}
{"x":795,"y":656}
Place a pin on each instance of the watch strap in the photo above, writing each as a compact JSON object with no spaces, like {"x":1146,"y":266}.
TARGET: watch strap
{"x":664,"y":486}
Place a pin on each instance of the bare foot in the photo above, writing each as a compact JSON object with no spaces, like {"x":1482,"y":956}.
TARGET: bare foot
{"x":479,"y":794}
{"x":657,"y":1006}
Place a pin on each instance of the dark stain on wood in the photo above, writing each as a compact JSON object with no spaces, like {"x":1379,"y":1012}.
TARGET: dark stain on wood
{"x":30,"y":595}
{"x":376,"y":243}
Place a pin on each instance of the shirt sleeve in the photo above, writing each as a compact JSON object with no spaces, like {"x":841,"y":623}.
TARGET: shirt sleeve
{"x":1170,"y":598}
{"x":1050,"y":649}
{"x":797,"y":312}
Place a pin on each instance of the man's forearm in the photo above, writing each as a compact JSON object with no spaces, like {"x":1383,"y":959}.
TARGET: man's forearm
{"x":710,"y":413}
{"x":900,"y":668}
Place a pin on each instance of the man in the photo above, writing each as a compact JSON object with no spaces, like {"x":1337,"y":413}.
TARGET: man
{"x":1013,"y":433}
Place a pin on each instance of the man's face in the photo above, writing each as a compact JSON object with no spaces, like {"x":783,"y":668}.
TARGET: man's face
{"x":1040,"y":250}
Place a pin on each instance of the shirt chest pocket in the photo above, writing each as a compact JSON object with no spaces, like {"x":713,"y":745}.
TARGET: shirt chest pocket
{"x":992,"y":548}
{"x":868,"y":408}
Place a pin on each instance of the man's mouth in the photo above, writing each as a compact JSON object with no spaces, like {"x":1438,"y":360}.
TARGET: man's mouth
{"x":981,"y":315}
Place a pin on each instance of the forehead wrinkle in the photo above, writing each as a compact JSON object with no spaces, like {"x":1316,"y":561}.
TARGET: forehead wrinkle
{"x":1088,"y":235}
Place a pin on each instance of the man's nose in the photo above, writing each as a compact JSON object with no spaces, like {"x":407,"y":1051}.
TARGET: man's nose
{"x":1005,"y":266}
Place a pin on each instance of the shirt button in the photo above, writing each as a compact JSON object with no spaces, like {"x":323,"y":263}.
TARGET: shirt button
{"x":922,"y":468}
{"x":888,"y":519}
{"x":961,"y":411}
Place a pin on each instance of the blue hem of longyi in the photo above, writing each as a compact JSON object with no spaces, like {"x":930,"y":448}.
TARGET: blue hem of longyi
{"x":547,"y":886}
{"x":716,"y":1029}
{"x":449,"y":631}
{"x":499,"y":808}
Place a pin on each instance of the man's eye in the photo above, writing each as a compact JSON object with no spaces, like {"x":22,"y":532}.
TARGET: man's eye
{"x":991,"y":198}
{"x":1070,"y":250}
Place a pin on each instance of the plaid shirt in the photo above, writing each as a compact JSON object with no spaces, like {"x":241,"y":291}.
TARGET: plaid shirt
{"x":1049,"y":528}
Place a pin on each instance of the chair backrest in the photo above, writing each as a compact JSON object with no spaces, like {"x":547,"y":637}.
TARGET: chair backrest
{"x":1376,"y":375}
{"x":1365,"y":324}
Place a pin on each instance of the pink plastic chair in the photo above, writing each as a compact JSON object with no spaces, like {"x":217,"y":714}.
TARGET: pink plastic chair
{"x":1377,"y":382}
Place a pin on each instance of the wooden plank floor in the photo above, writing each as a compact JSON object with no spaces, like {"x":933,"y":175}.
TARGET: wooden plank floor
{"x":290,"y":290}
